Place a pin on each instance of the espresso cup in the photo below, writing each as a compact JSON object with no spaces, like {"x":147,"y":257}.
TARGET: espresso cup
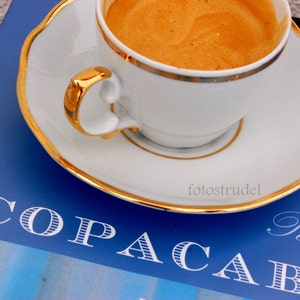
{"x":172,"y":106}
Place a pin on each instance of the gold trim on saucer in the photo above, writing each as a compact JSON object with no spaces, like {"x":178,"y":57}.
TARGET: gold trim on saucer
{"x":56,"y":155}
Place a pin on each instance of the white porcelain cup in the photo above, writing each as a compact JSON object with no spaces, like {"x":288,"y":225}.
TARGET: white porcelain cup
{"x":172,"y":107}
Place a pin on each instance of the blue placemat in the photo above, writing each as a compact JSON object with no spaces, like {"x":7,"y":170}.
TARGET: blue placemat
{"x":252,"y":254}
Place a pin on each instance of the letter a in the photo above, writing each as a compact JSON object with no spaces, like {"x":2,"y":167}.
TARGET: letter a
{"x":239,"y":268}
{"x":144,"y":246}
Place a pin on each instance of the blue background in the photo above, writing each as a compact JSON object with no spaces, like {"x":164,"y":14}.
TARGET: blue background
{"x":29,"y":176}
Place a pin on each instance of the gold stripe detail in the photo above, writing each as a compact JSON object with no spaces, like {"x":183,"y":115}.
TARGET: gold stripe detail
{"x":170,"y":75}
{"x":22,"y":76}
{"x":296,"y":27}
{"x":76,"y":90}
{"x":187,"y":158}
{"x":54,"y":153}
{"x":190,"y":209}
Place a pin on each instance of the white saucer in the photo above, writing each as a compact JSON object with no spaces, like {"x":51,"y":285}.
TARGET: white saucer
{"x":253,"y":165}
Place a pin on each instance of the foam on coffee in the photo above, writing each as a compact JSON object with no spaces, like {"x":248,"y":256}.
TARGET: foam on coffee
{"x":196,"y":34}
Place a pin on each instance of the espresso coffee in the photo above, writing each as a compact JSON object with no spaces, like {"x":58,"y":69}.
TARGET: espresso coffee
{"x":196,"y":34}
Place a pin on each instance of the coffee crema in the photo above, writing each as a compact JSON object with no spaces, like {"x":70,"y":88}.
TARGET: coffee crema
{"x":196,"y":34}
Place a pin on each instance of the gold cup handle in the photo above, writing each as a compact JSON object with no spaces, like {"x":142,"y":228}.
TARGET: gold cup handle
{"x":74,"y":96}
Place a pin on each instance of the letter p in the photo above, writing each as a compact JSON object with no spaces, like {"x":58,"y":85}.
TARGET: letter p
{"x":85,"y":231}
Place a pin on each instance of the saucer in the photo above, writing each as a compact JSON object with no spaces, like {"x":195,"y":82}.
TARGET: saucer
{"x":255,"y":163}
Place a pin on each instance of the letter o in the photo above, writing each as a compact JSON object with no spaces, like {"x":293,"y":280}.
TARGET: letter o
{"x":210,"y":191}
{"x":196,"y":190}
{"x":54,"y":227}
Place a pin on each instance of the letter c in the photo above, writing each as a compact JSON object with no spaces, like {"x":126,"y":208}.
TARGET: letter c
{"x":180,"y":251}
{"x":11,"y":206}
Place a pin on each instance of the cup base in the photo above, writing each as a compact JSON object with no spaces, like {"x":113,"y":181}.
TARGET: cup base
{"x":179,"y":141}
{"x":187,"y":153}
